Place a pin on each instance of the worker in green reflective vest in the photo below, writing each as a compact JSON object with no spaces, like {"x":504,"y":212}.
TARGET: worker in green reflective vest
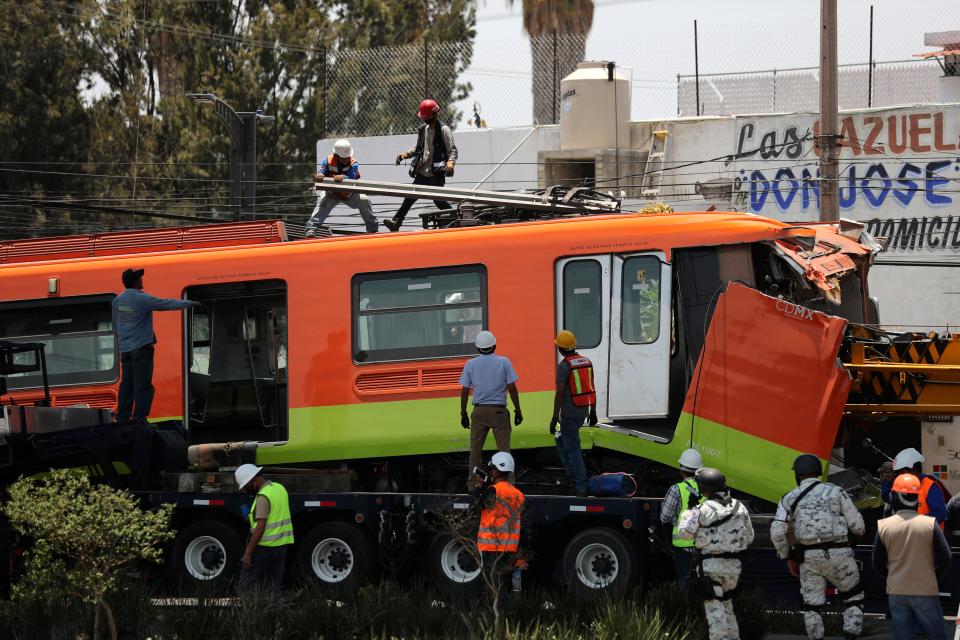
{"x":680,"y":497}
{"x":271,"y":531}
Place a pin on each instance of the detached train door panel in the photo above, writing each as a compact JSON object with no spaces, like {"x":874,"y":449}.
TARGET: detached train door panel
{"x":639,"y":337}
{"x":583,"y":294}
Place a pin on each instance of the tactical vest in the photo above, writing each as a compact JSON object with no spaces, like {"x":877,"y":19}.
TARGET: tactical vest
{"x":582,"y":391}
{"x":500,"y":524}
{"x":687,"y":488}
{"x":279,"y":529}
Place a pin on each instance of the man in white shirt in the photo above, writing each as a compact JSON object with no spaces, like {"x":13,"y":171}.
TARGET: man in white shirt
{"x":490,"y":377}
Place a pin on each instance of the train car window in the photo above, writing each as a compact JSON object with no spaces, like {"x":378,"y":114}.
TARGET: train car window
{"x":78,"y":336}
{"x":640,"y":304}
{"x":415,"y":315}
{"x":583,"y":302}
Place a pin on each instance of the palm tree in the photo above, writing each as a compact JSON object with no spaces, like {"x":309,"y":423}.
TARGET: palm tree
{"x":542,"y":19}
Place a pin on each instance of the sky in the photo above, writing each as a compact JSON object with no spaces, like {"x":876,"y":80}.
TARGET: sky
{"x":655,"y":39}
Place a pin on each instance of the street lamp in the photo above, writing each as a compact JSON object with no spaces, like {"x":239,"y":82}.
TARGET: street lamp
{"x":242,"y":128}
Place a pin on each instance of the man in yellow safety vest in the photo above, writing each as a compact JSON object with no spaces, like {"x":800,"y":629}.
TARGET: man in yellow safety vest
{"x":271,"y":531}
{"x":680,"y":497}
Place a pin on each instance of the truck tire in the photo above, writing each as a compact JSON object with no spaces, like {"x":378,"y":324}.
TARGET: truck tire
{"x":598,"y":561}
{"x":334,"y":554}
{"x":206,"y":553}
{"x":454,"y":569}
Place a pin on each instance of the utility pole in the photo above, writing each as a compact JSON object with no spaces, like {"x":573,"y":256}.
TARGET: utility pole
{"x":827,"y":140}
{"x":242,"y":128}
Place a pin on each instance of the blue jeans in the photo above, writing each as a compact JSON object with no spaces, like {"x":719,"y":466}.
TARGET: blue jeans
{"x":135,"y":396}
{"x":266,"y":571}
{"x":568,"y":448}
{"x":682,"y":563}
{"x":907,"y":611}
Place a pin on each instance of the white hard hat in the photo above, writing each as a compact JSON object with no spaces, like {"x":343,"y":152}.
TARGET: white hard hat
{"x":245,"y":473}
{"x":906,"y":459}
{"x":503,"y":461}
{"x":690,"y":460}
{"x":485,"y":340}
{"x":343,"y":148}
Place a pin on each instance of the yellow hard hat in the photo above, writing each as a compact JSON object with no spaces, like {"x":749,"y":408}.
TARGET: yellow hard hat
{"x":566,"y":340}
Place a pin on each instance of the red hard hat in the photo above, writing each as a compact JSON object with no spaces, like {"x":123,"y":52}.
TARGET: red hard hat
{"x":427,"y":108}
{"x":907,"y":484}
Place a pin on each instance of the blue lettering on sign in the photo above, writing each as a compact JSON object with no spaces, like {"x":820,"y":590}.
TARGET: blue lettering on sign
{"x":876,"y":186}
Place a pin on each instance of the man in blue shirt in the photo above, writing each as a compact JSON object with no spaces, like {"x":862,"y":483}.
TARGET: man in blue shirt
{"x":133,"y":322}
{"x":491,"y":377}
{"x":341,"y":165}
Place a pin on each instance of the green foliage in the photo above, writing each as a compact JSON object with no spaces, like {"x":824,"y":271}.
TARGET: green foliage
{"x":82,"y":536}
{"x":94,"y":91}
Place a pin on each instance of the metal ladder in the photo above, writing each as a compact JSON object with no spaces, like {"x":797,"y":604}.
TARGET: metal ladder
{"x":653,"y":170}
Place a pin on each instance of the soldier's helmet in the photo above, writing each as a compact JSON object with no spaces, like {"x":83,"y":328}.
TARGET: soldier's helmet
{"x":710,"y":480}
{"x":807,"y":464}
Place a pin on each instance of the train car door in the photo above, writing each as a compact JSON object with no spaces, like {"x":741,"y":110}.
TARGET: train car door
{"x":639,"y":337}
{"x":583,"y":295}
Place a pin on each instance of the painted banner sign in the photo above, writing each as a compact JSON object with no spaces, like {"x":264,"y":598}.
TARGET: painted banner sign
{"x":899,"y":172}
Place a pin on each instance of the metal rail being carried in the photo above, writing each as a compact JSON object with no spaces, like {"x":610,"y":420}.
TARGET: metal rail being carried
{"x":476,"y":207}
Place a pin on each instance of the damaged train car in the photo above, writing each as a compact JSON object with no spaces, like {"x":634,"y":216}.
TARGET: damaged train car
{"x":747,"y":338}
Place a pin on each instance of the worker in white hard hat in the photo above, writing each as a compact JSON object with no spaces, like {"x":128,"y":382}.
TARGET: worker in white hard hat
{"x":491,"y":377}
{"x":933,"y":495}
{"x":341,"y":165}
{"x":501,"y":510}
{"x":680,"y":497}
{"x":271,"y":531}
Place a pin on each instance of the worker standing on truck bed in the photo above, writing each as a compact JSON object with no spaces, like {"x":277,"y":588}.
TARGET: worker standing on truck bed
{"x":912,"y":552}
{"x":271,"y":531}
{"x":574,"y":401}
{"x":820,"y":516}
{"x":434,"y":157}
{"x":501,"y":510}
{"x":720,"y":528}
{"x":133,"y":323}
{"x":341,"y":165}
{"x":491,"y":377}
{"x":933,"y":495}
{"x":680,"y":497}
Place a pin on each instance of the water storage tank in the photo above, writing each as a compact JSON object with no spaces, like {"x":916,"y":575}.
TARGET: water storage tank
{"x":595,"y":107}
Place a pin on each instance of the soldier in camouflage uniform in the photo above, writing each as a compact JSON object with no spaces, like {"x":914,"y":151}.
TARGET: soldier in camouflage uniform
{"x":819,"y":515}
{"x":720,"y":528}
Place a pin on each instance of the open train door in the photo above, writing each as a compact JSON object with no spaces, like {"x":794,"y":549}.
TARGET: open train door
{"x":618,"y":306}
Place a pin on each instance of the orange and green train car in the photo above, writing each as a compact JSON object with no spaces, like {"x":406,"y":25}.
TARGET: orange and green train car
{"x":716,"y":330}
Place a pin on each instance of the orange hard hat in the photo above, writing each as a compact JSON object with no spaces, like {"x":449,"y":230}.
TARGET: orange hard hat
{"x":427,"y":108}
{"x":907,"y":483}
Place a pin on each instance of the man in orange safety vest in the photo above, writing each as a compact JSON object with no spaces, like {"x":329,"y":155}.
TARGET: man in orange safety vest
{"x":575,"y":401}
{"x":501,"y":509}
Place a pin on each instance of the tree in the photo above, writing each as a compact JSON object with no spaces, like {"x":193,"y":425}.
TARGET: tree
{"x":542,"y":20}
{"x":82,"y":535}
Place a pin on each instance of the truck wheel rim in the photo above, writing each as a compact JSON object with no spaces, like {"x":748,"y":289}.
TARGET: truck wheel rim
{"x":457,"y":563}
{"x":597,"y":566}
{"x":205,"y":558}
{"x":332,"y":560}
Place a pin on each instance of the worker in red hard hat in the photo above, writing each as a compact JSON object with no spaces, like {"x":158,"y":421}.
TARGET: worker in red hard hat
{"x":912,"y":552}
{"x":433,"y":158}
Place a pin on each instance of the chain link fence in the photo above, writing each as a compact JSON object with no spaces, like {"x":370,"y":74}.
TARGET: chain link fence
{"x":744,"y":67}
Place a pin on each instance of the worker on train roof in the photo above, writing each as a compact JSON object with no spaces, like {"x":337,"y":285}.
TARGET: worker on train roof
{"x":341,"y":165}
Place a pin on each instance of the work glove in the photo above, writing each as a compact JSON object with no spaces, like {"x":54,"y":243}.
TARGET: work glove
{"x":338,"y":177}
{"x":399,"y":159}
{"x":318,"y":177}
{"x":517,"y":417}
{"x":592,"y":419}
{"x":464,"y":421}
{"x":553,"y":425}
